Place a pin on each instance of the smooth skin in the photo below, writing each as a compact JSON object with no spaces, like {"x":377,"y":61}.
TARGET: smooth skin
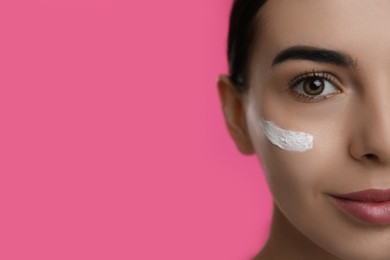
{"x":350,"y":124}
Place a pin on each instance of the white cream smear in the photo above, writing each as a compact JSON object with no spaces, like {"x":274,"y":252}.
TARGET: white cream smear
{"x":286,"y":139}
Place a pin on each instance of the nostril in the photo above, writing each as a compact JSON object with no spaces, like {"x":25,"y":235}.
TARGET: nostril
{"x":371,"y":157}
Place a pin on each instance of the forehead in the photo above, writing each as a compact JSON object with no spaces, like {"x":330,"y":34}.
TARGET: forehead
{"x":358,"y":27}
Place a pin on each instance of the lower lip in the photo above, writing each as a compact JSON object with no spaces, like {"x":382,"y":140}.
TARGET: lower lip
{"x":372,"y":212}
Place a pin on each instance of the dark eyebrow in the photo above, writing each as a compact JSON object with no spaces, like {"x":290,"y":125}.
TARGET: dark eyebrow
{"x":315,"y":54}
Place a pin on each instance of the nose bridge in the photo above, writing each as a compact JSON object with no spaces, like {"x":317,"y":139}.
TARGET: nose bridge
{"x":374,"y":118}
{"x":377,"y":101}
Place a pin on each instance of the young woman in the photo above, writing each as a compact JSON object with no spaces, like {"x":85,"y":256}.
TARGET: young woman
{"x":308,"y":92}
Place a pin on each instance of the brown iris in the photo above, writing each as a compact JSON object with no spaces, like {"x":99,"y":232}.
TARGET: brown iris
{"x":313,"y":86}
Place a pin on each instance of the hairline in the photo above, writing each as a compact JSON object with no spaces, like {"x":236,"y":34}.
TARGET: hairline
{"x":258,"y":22}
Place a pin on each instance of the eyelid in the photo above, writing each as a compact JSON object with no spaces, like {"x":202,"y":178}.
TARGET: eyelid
{"x":320,"y":74}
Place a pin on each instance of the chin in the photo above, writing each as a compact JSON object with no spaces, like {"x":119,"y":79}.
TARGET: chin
{"x":362,"y":247}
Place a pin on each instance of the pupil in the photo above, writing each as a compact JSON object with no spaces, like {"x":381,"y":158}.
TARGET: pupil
{"x":314,"y":87}
{"x":316,"y":84}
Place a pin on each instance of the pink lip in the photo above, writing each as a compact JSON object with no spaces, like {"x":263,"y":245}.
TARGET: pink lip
{"x":372,"y":206}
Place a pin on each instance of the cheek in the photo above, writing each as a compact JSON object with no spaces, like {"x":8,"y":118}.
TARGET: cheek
{"x":291,"y":177}
{"x":287,"y":140}
{"x":300,"y":175}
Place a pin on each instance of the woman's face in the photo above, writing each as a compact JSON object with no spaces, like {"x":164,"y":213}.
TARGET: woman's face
{"x":346,"y":108}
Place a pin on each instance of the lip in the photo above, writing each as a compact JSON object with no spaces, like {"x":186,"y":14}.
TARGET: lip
{"x":371,"y":206}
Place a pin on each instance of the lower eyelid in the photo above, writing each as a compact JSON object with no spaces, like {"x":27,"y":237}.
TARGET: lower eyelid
{"x":311,"y":99}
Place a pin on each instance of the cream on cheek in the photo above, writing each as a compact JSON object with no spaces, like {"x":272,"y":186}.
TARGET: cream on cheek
{"x":286,"y":139}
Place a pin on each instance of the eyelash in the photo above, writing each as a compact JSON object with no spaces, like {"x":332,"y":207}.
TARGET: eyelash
{"x":312,"y":75}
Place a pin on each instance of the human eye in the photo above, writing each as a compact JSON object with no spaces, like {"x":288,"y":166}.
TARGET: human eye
{"x":314,"y":86}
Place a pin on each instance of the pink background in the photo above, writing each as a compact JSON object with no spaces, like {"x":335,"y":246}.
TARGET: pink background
{"x":113,"y":144}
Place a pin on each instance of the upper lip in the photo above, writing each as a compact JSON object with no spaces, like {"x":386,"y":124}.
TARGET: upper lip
{"x":370,"y":195}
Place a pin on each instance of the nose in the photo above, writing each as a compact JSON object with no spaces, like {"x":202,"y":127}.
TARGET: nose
{"x":371,"y":133}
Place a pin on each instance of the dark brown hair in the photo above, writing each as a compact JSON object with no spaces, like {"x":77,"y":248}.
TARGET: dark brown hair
{"x":242,"y":30}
